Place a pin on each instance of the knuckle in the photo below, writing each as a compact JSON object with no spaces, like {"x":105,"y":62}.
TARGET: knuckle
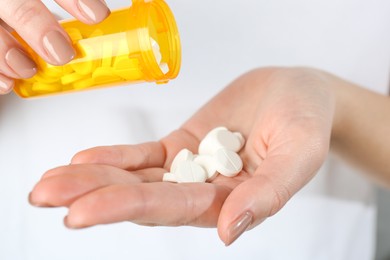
{"x":25,"y":12}
{"x":188,"y":217}
{"x":300,"y":75}
{"x":144,"y":153}
{"x":281,"y":196}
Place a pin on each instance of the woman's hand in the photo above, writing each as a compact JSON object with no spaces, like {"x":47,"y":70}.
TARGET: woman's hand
{"x":40,"y":29}
{"x":286,"y":117}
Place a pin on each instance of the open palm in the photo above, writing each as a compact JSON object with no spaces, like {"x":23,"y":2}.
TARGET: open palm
{"x":285,"y":116}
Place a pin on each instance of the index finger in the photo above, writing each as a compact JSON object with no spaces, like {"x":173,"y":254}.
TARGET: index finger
{"x":39,"y":28}
{"x":135,"y":157}
{"x":130,"y":157}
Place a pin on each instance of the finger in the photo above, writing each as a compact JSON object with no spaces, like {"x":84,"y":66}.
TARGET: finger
{"x":274,"y":182}
{"x":14,"y":62}
{"x":147,"y":155}
{"x":39,"y":28}
{"x":62,"y":185}
{"x":6,"y":26}
{"x":87,"y":11}
{"x":129,"y":157}
{"x":150,"y":203}
{"x":6,"y":85}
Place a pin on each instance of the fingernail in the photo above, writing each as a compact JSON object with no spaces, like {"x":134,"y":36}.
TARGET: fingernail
{"x":72,"y":226}
{"x":66,"y":222}
{"x":94,"y":10}
{"x":238,"y":227}
{"x":58,"y":47}
{"x":6,"y":84}
{"x":31,"y":201}
{"x":37,"y":204}
{"x":20,"y":63}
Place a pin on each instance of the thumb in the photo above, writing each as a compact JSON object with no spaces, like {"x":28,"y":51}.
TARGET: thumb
{"x":274,"y":182}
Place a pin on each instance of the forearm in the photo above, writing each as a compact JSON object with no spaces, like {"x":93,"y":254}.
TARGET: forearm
{"x":361,"y":129}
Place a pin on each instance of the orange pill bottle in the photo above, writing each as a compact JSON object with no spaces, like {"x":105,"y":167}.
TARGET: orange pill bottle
{"x":140,"y":43}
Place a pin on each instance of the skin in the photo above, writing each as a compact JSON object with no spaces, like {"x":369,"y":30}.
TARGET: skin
{"x":32,"y":20}
{"x":286,"y":116}
{"x":360,"y":130}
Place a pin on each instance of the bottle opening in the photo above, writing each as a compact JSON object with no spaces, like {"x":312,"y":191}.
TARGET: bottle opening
{"x":160,"y":41}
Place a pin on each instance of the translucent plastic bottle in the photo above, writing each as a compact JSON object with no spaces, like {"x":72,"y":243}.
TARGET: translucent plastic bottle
{"x":136,"y":44}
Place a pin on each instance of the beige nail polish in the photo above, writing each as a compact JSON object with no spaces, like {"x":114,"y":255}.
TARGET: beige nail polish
{"x":20,"y":63}
{"x":6,"y":84}
{"x":238,"y":227}
{"x":58,"y":47}
{"x":94,"y":10}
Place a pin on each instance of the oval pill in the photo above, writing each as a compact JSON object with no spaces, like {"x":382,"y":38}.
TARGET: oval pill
{"x":183,"y":155}
{"x":104,"y":76}
{"x":83,"y":65}
{"x":45,"y":87}
{"x":169,"y":177}
{"x":154,"y":43}
{"x":70,"y":78}
{"x":240,"y":138}
{"x":207,"y":162}
{"x":156,"y":50}
{"x":44,"y":78}
{"x":164,"y":67}
{"x":123,"y":63}
{"x":189,"y":171}
{"x":220,"y":138}
{"x":227,"y":162}
{"x":107,"y":56}
{"x":83,"y":84}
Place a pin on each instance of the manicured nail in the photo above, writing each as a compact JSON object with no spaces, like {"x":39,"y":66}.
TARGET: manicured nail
{"x":6,"y":84}
{"x":238,"y":227}
{"x":20,"y":63}
{"x":94,"y":10}
{"x":58,"y":47}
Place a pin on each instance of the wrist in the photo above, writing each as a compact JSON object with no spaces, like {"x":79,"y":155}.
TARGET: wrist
{"x":341,"y":112}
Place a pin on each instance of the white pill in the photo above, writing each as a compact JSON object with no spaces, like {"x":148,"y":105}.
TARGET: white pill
{"x":164,"y":67}
{"x":227,"y":162}
{"x":207,"y":162}
{"x":218,"y":128}
{"x":188,"y":171}
{"x":169,"y":177}
{"x":154,"y":44}
{"x":214,"y":130}
{"x":220,"y":138}
{"x":157,"y":55}
{"x":183,"y":155}
{"x":241,"y":138}
{"x":156,"y":50}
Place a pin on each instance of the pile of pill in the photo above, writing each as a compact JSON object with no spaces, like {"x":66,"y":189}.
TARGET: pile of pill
{"x":101,"y":60}
{"x":218,"y":154}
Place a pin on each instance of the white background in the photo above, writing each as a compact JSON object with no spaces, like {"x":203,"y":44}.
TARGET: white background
{"x":332,"y":218}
